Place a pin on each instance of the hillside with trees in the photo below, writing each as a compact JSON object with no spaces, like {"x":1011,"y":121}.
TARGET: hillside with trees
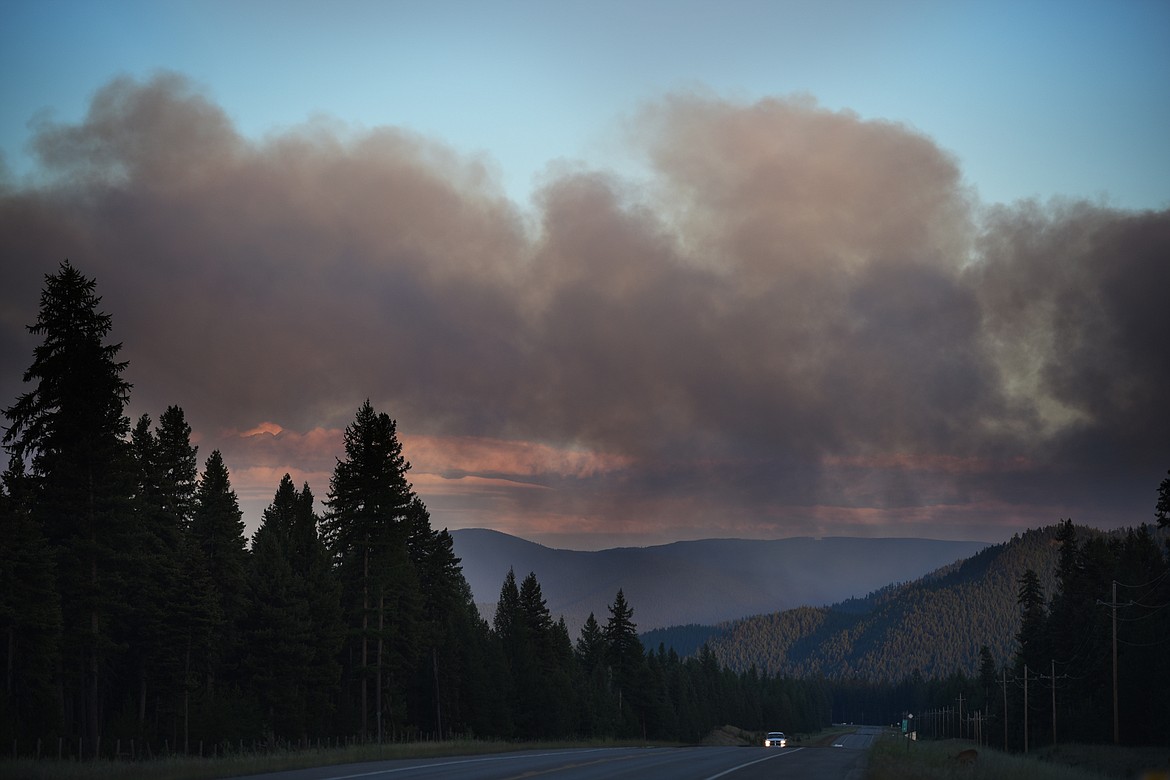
{"x":931,"y":626}
{"x":1037,"y":611}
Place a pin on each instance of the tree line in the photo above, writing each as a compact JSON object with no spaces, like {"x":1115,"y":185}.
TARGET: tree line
{"x":133,"y":606}
{"x":1093,"y":656}
{"x":1090,"y":661}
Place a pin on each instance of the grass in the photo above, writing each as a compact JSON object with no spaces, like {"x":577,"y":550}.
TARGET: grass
{"x":824,"y":737}
{"x":191,"y":768}
{"x":892,"y":759}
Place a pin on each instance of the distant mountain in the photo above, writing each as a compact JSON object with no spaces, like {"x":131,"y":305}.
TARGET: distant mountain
{"x":707,"y":581}
{"x":934,"y":625}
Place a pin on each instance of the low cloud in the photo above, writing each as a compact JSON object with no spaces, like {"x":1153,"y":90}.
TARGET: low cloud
{"x":800,"y":321}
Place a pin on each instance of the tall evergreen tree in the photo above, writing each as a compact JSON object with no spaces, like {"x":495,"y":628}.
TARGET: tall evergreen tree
{"x":627,"y":662}
{"x":293,"y":632}
{"x":165,"y":463}
{"x":594,"y":711}
{"x":511,"y":631}
{"x":217,"y":535}
{"x":448,"y":622}
{"x":1033,"y":649}
{"x":70,"y":429}
{"x":177,"y":466}
{"x":591,"y":645}
{"x":366,"y":531}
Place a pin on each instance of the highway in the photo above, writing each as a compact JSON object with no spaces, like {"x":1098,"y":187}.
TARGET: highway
{"x":843,"y":761}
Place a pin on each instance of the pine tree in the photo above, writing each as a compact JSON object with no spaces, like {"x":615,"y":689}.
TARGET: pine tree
{"x":366,"y":531}
{"x":511,"y":632}
{"x":217,"y":534}
{"x":988,"y":674}
{"x":165,"y":463}
{"x":591,"y":645}
{"x":1032,"y":655}
{"x":293,"y":632}
{"x":595,"y":710}
{"x":448,"y":621}
{"x":541,"y":669}
{"x":627,"y":662}
{"x":177,"y":466}
{"x":71,"y":430}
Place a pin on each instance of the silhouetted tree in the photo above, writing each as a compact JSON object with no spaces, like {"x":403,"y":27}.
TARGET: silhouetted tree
{"x":217,"y":536}
{"x":70,"y":429}
{"x":1162,"y":508}
{"x":1031,"y":636}
{"x":367,"y":534}
{"x":293,"y":632}
{"x":166,"y":471}
{"x":627,"y":663}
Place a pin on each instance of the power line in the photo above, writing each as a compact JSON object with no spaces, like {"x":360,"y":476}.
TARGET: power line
{"x":1154,"y":581}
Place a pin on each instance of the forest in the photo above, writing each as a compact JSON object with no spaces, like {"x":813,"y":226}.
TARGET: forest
{"x":1027,"y":625}
{"x":133,"y":606}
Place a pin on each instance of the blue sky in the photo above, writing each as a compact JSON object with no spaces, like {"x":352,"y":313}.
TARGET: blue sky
{"x":1035,"y":99}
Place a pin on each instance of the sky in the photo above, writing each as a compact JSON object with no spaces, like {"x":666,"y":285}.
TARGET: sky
{"x":624,"y":273}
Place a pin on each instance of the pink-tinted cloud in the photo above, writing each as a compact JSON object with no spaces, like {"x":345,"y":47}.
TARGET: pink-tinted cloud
{"x":801,"y":321}
{"x":465,"y":455}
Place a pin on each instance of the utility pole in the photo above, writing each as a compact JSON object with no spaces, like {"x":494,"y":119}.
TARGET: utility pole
{"x":1005,"y":725}
{"x":1053,"y":702}
{"x":438,"y":705}
{"x":1025,"y":708}
{"x":1116,"y":722}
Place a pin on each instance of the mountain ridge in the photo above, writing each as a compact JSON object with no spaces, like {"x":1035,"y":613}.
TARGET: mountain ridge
{"x":703,"y":581}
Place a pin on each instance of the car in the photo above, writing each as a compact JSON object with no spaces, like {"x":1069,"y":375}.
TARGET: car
{"x":775,"y":739}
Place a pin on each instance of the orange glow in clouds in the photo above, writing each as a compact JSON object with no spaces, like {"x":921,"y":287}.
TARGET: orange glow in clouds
{"x":440,"y":465}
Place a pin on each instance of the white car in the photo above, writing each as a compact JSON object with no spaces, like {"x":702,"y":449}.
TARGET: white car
{"x":775,"y":739}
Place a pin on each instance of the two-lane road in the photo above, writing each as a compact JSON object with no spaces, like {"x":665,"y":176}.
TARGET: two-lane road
{"x":844,"y":761}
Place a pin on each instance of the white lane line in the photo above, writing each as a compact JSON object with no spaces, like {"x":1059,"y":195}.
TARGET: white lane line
{"x":414,"y":767}
{"x":749,"y":763}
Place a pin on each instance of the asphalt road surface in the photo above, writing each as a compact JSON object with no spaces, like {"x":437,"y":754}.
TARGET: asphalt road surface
{"x":845,"y":760}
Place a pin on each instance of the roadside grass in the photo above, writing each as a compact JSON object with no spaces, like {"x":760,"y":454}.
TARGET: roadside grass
{"x":824,"y":737}
{"x":892,"y":759}
{"x":193,"y":768}
{"x":1152,"y":763}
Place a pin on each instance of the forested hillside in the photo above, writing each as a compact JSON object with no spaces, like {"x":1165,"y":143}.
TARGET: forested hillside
{"x":1052,"y":610}
{"x":934,"y":625}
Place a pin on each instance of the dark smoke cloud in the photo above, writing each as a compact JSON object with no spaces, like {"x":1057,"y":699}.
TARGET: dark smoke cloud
{"x":801,"y":323}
